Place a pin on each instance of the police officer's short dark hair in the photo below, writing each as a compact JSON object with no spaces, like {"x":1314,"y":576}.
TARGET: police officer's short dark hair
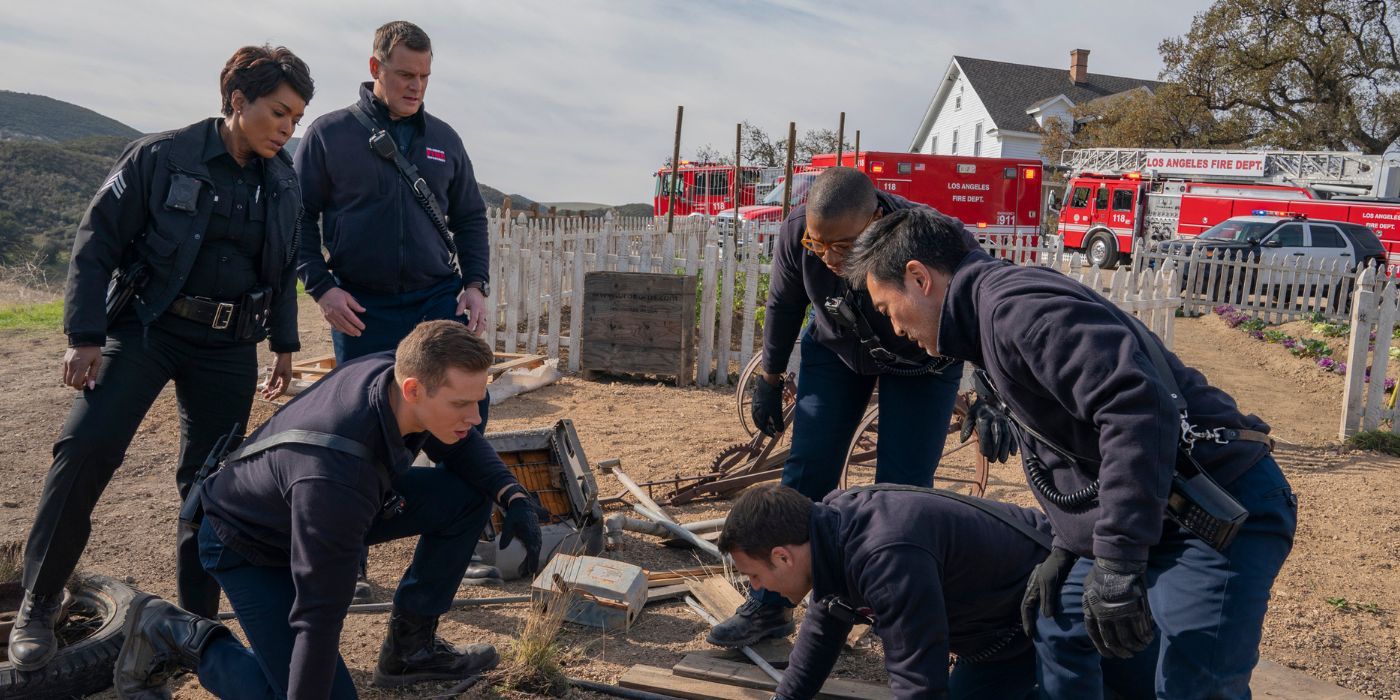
{"x":922,"y":234}
{"x":258,"y":70}
{"x":433,"y":347}
{"x":765,"y":517}
{"x":838,"y":193}
{"x":400,"y":32}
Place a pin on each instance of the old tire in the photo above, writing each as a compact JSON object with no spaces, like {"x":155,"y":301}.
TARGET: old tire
{"x":1102,"y":251}
{"x":85,"y":666}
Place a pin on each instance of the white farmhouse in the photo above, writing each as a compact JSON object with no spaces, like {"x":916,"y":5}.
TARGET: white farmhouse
{"x":995,"y":109}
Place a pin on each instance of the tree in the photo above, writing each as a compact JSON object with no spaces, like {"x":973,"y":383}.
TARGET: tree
{"x":1167,"y":118}
{"x":1296,"y":74}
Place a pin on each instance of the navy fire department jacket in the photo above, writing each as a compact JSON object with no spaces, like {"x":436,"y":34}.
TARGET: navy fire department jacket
{"x":936,"y":575}
{"x":801,"y":279}
{"x":1066,"y":362}
{"x":307,"y":509}
{"x":132,"y":218}
{"x":377,"y":235}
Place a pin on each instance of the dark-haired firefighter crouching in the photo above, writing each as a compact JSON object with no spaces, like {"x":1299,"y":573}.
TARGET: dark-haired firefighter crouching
{"x":936,"y":573}
{"x":201,"y":223}
{"x":1171,"y":519}
{"x":288,"y":514}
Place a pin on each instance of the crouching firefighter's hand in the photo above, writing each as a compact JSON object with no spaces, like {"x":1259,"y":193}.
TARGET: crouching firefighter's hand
{"x":1116,"y":613}
{"x":522,"y":521}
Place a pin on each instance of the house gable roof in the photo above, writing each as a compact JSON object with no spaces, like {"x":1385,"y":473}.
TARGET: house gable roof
{"x":1010,"y":90}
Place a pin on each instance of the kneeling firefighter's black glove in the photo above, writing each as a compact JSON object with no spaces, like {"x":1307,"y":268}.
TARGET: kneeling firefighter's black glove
{"x":1043,"y":588}
{"x":768,"y":406}
{"x":1116,"y":612}
{"x":995,"y":438}
{"x":523,"y":521}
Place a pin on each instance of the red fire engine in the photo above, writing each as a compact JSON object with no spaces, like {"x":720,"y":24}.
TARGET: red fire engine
{"x":989,"y":195}
{"x":702,"y":188}
{"x":1119,"y":199}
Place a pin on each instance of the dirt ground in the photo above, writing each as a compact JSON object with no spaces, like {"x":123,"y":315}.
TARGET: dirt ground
{"x":1348,"y":542}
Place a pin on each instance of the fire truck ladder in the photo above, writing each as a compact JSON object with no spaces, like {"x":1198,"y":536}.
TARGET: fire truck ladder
{"x":1371,"y":173}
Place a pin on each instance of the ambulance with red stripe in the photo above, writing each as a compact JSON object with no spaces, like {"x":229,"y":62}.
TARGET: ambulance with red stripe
{"x":1122,"y":200}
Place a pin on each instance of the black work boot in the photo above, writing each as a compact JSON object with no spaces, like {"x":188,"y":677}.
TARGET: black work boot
{"x":479,"y":574}
{"x":751,"y":623}
{"x":363,"y":592}
{"x":412,"y":653}
{"x":161,"y":640}
{"x":32,"y":641}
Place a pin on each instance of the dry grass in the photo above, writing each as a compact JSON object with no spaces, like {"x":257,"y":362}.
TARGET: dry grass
{"x":533,"y":665}
{"x":11,"y":561}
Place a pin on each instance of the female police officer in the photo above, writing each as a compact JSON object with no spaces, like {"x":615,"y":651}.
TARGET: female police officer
{"x":200,"y":224}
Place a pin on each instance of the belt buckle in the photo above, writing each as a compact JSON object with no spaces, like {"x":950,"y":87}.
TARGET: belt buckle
{"x":223,"y":314}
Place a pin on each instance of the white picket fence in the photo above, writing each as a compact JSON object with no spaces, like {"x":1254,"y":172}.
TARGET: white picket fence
{"x":1150,"y":294}
{"x":1375,"y":308}
{"x":538,"y":266}
{"x":1275,"y":290}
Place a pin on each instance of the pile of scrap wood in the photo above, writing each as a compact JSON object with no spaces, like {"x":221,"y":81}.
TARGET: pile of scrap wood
{"x":723,"y":674}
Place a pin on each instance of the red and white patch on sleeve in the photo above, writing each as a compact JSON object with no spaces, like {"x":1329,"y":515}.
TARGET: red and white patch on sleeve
{"x":437,"y":155}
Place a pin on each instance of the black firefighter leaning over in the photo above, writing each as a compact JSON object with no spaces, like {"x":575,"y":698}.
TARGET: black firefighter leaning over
{"x":196,"y":231}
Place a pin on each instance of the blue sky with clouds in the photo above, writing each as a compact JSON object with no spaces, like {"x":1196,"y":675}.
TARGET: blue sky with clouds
{"x":575,"y":101}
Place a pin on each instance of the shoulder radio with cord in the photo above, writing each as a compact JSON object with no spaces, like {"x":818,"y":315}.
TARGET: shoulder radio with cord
{"x":1196,"y":502}
{"x":844,"y":310}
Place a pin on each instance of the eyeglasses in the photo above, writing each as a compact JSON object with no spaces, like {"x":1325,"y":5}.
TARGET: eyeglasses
{"x":816,"y":246}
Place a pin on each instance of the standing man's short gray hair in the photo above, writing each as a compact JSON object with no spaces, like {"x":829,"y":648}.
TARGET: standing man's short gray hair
{"x":400,"y":32}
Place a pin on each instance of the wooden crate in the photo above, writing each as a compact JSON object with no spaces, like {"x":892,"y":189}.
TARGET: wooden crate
{"x":635,"y":322}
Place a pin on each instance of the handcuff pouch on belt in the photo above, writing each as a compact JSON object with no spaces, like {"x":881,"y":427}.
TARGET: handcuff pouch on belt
{"x":844,"y":310}
{"x":255,"y":309}
{"x":1196,"y":502}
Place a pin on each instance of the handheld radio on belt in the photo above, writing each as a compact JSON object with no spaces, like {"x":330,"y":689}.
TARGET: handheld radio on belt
{"x":1196,"y":501}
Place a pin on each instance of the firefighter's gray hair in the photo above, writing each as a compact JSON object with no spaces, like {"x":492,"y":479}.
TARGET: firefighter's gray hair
{"x":839,"y":193}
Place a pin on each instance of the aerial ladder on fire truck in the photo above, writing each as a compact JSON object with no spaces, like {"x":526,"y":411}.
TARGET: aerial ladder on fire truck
{"x":1330,"y":172}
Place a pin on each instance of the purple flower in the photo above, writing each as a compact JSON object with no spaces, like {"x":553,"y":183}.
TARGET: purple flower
{"x":1341,"y":368}
{"x":1326,"y":363}
{"x":1256,"y":334}
{"x":1390,"y":385}
{"x":1290,"y":343}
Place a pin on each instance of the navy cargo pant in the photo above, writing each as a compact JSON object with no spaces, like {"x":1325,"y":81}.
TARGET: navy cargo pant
{"x":1209,"y":606}
{"x":441,"y":510}
{"x":214,"y":382}
{"x":831,"y":399}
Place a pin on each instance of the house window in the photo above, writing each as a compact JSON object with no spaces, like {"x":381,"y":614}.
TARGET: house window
{"x":933,"y":146}
{"x":954,"y":149}
{"x":957,"y":102}
{"x":977,"y":140}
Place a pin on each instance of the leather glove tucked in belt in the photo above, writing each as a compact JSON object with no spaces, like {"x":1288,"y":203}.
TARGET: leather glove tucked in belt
{"x":523,"y":521}
{"x":768,"y":406}
{"x":1116,"y":612}
{"x":995,"y":438}
{"x":1043,"y":588}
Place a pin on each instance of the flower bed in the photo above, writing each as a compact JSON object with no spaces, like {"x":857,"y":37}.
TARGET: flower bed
{"x":1319,"y":350}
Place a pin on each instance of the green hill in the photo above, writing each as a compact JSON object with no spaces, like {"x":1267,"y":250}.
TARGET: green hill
{"x":44,"y":188}
{"x":26,"y":116}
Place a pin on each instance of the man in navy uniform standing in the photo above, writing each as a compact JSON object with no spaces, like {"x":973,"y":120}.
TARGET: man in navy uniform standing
{"x":395,"y":258}
{"x":1168,"y":511}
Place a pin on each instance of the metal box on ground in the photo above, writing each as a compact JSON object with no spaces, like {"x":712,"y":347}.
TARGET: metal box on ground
{"x":549,"y":462}
{"x":599,"y":592}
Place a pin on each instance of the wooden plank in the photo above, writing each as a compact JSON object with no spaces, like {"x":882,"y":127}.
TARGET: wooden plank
{"x":708,"y":299}
{"x":725,"y":342}
{"x":717,"y":595}
{"x":671,"y":592}
{"x":660,"y":680}
{"x":774,"y":651}
{"x":1380,"y":358}
{"x":745,"y":675}
{"x":1363,"y":313}
{"x":746,"y":336}
{"x":554,"y":275}
{"x":1276,"y":682}
{"x":576,"y":308}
